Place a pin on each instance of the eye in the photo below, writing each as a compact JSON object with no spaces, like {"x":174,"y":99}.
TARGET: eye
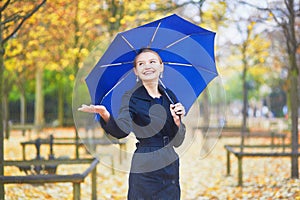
{"x":140,"y":64}
{"x":153,"y":61}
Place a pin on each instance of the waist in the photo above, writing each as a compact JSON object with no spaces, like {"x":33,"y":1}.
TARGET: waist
{"x":154,"y":142}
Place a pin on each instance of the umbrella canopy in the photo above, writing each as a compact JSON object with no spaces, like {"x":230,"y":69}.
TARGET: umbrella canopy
{"x":187,"y":52}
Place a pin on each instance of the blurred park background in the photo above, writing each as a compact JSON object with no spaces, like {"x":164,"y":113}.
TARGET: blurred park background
{"x":43,"y":44}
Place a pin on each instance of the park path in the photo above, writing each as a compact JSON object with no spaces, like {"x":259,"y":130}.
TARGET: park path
{"x":203,"y":176}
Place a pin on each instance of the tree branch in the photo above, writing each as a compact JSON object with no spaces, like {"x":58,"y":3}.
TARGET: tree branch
{"x":4,"y":6}
{"x":23,"y":20}
{"x":267,"y":10}
{"x":11,"y":18}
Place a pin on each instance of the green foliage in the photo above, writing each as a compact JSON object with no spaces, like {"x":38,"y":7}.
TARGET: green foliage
{"x":234,"y":89}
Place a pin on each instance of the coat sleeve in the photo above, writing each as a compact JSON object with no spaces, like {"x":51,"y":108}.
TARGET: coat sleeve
{"x":121,"y":126}
{"x":179,"y":136}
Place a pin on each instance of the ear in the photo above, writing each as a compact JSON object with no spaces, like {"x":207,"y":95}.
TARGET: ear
{"x":135,"y":72}
{"x":162,"y":67}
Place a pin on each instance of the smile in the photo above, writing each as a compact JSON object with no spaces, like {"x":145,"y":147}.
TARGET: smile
{"x":148,"y":72}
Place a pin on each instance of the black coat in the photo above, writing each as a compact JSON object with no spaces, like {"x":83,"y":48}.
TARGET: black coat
{"x":154,"y":170}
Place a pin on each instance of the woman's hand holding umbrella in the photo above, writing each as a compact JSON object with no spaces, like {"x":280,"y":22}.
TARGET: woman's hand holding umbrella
{"x":101,"y":110}
{"x":177,"y":111}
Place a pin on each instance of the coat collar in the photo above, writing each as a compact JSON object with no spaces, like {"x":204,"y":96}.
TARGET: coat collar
{"x":140,"y":92}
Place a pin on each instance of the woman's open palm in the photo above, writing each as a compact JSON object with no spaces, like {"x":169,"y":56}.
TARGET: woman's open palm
{"x":100,"y":109}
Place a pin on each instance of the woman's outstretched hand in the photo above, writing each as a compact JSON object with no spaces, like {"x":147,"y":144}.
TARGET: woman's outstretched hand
{"x":101,"y":110}
{"x":177,"y":111}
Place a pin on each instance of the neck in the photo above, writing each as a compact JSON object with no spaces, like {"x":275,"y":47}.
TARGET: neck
{"x":152,"y":89}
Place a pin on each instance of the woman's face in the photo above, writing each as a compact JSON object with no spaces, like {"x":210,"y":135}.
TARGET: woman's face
{"x":148,"y":67}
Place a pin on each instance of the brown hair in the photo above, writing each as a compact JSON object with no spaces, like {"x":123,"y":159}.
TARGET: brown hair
{"x":144,"y":50}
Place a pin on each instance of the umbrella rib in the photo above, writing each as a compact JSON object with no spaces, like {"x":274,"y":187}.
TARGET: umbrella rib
{"x":154,"y":35}
{"x":115,"y":64}
{"x":183,"y":38}
{"x":127,"y":74}
{"x":129,"y":44}
{"x":110,"y":65}
{"x":177,"y":41}
{"x":181,"y":64}
{"x":190,"y":65}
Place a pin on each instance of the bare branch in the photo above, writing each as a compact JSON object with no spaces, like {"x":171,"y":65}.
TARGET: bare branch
{"x":4,"y":6}
{"x":13,"y":17}
{"x":271,"y":11}
{"x":23,"y":20}
{"x":288,"y":6}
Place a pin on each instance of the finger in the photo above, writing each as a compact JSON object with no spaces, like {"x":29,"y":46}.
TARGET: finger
{"x":176,"y":113}
{"x":178,"y":105}
{"x":85,"y":108}
{"x":172,"y":112}
{"x":80,"y":108}
{"x":178,"y":110}
{"x":180,"y":113}
{"x":181,"y":110}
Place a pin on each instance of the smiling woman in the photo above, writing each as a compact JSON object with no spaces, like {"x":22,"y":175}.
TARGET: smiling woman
{"x":149,"y":108}
{"x":147,"y":111}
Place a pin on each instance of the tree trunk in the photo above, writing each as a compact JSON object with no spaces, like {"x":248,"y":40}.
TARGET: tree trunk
{"x":39,"y":119}
{"x":5,"y":91}
{"x":245,"y":108}
{"x":6,"y":116}
{"x":1,"y":118}
{"x":60,"y":112}
{"x":23,"y":108}
{"x":291,"y":41}
{"x":294,"y":73}
{"x":294,"y":116}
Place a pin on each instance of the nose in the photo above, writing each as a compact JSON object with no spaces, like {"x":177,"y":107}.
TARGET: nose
{"x":147,"y":66}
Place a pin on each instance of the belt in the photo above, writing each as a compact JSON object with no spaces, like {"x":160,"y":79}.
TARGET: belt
{"x":154,"y":142}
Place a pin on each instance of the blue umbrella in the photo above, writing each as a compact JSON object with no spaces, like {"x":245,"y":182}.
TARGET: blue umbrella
{"x":186,"y":49}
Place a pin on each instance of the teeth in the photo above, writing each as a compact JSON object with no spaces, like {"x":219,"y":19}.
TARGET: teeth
{"x":148,"y":73}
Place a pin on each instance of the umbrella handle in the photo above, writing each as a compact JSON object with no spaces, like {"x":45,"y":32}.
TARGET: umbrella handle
{"x":165,"y":91}
{"x":169,"y":98}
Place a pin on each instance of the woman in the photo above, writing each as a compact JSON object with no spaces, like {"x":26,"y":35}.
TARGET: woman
{"x":149,"y":112}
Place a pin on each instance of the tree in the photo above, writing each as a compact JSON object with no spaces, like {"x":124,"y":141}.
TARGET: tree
{"x":67,"y":34}
{"x":285,"y":13}
{"x":251,"y":50}
{"x":58,"y":45}
{"x":18,"y":73}
{"x":10,"y":23}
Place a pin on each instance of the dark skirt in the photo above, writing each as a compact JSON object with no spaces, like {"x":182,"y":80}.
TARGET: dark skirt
{"x":161,"y":183}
